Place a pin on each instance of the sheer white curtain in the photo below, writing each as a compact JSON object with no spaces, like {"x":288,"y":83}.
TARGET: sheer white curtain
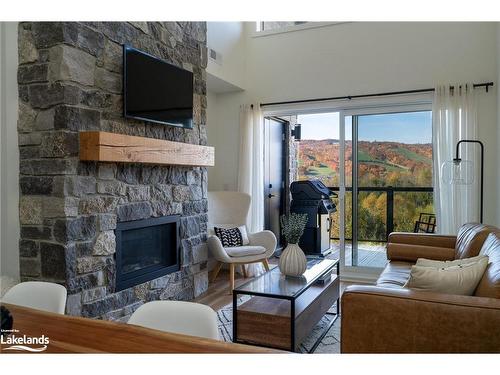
{"x":454,"y":118}
{"x":251,"y":171}
{"x":251,"y":163}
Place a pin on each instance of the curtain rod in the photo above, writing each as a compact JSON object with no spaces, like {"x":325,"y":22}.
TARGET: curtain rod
{"x":349,"y":97}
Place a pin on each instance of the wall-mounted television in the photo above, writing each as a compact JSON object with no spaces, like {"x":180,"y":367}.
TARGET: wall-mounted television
{"x":155,"y":90}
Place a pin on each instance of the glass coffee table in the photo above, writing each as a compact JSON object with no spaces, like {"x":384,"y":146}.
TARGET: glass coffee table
{"x":281,"y":311}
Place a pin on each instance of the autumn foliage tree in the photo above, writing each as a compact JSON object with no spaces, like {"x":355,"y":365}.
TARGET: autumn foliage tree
{"x":380,"y":164}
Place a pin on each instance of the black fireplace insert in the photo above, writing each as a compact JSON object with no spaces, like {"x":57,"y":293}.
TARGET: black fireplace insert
{"x":146,"y":249}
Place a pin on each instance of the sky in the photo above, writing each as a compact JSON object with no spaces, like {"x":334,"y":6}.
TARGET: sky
{"x":409,"y":127}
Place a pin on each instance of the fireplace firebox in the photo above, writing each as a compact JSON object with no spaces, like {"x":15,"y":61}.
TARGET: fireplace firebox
{"x":146,"y":249}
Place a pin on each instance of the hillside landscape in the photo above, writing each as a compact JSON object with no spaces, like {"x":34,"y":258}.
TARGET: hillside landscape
{"x":381,"y":164}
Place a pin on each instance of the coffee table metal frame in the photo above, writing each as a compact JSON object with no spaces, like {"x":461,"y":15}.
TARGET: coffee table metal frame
{"x":292,"y":299}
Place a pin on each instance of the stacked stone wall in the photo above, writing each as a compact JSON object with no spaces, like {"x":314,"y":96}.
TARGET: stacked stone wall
{"x":70,"y":80}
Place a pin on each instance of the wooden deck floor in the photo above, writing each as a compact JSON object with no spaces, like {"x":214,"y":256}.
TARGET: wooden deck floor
{"x":369,"y":255}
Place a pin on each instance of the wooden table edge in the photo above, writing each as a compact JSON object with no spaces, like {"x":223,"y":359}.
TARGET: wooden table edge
{"x":191,"y":344}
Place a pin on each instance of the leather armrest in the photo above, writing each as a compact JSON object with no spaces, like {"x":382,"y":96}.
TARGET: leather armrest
{"x":410,"y":253}
{"x":423,"y":239}
{"x":385,"y":320}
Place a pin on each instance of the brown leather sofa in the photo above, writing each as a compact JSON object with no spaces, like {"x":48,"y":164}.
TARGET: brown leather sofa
{"x":387,"y":318}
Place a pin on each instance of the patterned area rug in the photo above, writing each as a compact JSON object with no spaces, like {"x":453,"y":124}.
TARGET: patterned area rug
{"x":329,"y":344}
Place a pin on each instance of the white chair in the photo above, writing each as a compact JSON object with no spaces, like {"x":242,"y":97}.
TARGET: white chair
{"x":38,"y":295}
{"x":187,"y":318}
{"x":228,"y":209}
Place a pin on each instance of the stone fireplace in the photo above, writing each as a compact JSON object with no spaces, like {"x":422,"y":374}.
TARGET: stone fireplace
{"x":72,"y":212}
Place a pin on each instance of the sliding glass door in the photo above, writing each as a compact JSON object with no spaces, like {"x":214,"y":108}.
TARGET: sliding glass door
{"x":379,"y":162}
{"x":387,"y":180}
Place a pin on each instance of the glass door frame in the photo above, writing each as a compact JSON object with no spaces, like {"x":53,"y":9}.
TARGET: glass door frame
{"x":357,"y":107}
{"x":354,"y":114}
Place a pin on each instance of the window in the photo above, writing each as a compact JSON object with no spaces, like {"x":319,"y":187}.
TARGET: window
{"x":276,"y":25}
{"x":318,"y":152}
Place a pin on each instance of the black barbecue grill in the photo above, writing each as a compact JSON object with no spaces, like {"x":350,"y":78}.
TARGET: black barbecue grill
{"x":314,"y":199}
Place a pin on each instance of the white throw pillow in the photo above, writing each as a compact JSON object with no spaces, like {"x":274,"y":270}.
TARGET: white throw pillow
{"x":244,"y":235}
{"x":462,"y":279}
{"x":446,"y":263}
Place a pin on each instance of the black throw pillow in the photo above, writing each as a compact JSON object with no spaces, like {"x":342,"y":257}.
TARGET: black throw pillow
{"x":229,"y":237}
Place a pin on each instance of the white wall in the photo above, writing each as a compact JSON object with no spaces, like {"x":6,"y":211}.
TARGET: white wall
{"x":356,"y":58}
{"x":228,"y":39}
{"x":223,"y":113}
{"x":362,"y":57}
{"x":9,"y":155}
{"x":224,"y":136}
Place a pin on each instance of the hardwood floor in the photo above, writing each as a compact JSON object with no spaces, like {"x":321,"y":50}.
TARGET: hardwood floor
{"x":217,"y":295}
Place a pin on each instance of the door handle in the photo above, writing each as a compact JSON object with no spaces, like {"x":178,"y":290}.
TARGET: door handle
{"x":271,"y":195}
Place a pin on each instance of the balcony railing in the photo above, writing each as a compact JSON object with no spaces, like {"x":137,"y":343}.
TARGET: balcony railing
{"x":390,"y":222}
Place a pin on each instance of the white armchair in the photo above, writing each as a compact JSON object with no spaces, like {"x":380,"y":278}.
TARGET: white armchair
{"x":229,"y":209}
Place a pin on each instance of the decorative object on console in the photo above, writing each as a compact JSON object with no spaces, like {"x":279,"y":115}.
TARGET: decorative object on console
{"x":461,"y":172}
{"x":293,"y":261}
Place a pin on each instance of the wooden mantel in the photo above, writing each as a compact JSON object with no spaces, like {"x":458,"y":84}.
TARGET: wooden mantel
{"x":112,"y":147}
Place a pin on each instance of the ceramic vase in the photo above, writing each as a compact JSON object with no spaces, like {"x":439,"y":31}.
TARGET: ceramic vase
{"x":293,"y":261}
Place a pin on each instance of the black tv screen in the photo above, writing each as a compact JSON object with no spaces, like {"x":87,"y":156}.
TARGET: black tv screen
{"x":155,"y":90}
